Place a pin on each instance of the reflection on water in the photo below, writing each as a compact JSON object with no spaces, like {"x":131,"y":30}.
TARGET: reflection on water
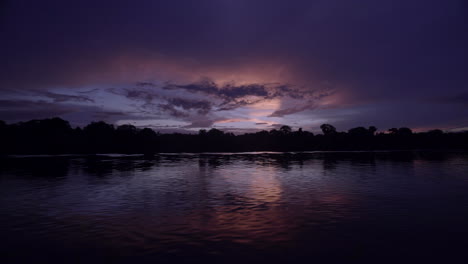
{"x":332,"y":207}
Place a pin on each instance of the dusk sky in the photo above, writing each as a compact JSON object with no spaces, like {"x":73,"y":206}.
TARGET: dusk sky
{"x":237,"y":65}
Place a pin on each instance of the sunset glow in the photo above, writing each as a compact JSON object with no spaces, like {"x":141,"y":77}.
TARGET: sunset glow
{"x":225,"y":61}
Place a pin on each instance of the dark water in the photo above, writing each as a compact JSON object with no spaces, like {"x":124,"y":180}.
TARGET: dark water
{"x":263,"y":207}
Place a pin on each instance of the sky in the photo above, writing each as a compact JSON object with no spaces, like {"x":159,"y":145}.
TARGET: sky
{"x":237,"y":65}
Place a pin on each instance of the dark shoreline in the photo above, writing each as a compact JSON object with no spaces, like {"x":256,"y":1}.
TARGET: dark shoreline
{"x":56,"y":136}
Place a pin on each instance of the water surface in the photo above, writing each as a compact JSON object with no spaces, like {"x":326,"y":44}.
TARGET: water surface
{"x":331,"y":207}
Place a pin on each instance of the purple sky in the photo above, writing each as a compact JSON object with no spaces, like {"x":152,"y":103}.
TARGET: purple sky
{"x":238,"y":65}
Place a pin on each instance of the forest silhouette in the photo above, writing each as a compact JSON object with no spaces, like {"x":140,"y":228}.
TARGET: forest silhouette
{"x":56,"y":136}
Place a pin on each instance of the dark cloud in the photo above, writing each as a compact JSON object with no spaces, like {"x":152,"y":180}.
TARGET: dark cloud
{"x":460,"y":99}
{"x":200,"y":124}
{"x":59,"y":98}
{"x":146,"y":96}
{"x":172,"y":111}
{"x":234,"y":96}
{"x":54,"y":96}
{"x":223,"y":97}
{"x":106,"y":115}
{"x":292,"y":110}
{"x":202,"y":107}
{"x":153,"y":101}
{"x":17,"y":110}
{"x":231,"y":91}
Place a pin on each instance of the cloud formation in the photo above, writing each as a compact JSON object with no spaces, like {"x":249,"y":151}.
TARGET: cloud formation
{"x":60,"y":98}
{"x":319,"y":59}
{"x":224,"y":97}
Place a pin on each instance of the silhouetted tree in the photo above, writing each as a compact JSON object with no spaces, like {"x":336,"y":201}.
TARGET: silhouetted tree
{"x":147,"y":133}
{"x":393,"y":131}
{"x":129,"y":129}
{"x":285,"y":129}
{"x":55,"y":135}
{"x":215,"y":132}
{"x":100,"y":128}
{"x":100,"y":137}
{"x":404,"y":131}
{"x":3,"y":128}
{"x":358,"y":131}
{"x":275,"y":132}
{"x":435,"y":132}
{"x":328,"y":129}
{"x":147,"y":141}
{"x":362,"y":131}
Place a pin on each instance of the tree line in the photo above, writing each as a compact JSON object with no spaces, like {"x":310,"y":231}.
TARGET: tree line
{"x":56,"y":136}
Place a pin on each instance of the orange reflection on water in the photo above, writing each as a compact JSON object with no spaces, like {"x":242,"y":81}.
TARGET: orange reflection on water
{"x":253,"y":213}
